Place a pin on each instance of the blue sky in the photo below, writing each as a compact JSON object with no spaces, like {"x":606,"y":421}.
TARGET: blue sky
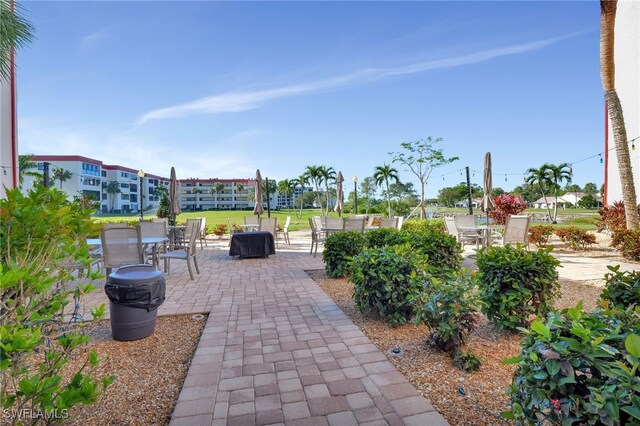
{"x":218,"y":89}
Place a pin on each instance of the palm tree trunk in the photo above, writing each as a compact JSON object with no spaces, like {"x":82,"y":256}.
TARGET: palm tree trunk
{"x":388,"y":197}
{"x":546,"y":203}
{"x":607,"y":75}
{"x":423,"y":212}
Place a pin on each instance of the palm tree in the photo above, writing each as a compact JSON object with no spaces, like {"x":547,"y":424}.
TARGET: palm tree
{"x":540,"y":178}
{"x":557,"y":174}
{"x":239,"y":188}
{"x":15,"y":32}
{"x":25,"y":167}
{"x":302,"y":181}
{"x":112,"y":189}
{"x":607,"y":74}
{"x":328,"y":174}
{"x":382,"y":174}
{"x":61,"y":175}
{"x":286,"y":187}
{"x":314,"y":175}
{"x":217,"y":189}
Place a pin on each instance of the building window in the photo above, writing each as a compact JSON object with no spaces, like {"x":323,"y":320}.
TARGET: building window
{"x":124,"y":185}
{"x":104,"y":173}
{"x":124,"y":196}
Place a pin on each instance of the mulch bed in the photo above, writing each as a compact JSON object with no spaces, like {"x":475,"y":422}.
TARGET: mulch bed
{"x":432,"y":372}
{"x":149,"y":371}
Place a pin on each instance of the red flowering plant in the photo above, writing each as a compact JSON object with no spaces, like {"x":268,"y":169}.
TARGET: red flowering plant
{"x":505,"y":206}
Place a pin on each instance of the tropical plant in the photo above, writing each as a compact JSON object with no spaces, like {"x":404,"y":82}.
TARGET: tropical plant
{"x":286,"y":187}
{"x":590,"y":188}
{"x":113,"y":188}
{"x":41,"y":315}
{"x":61,"y":175}
{"x":575,"y":238}
{"x":556,"y":175}
{"x":15,"y":33}
{"x":424,"y":225}
{"x":162,"y":192}
{"x":613,"y":217}
{"x":627,"y":242}
{"x":368,"y":191}
{"x":301,"y":181}
{"x":421,"y":159}
{"x":578,"y":368}
{"x":389,"y":282}
{"x":339,"y":249}
{"x":216,"y":189}
{"x":505,"y":206}
{"x":314,"y":175}
{"x":621,"y":289}
{"x":540,"y":178}
{"x":383,"y":174}
{"x":540,"y":234}
{"x":328,"y":175}
{"x":515,"y":283}
{"x":614,"y":108}
{"x":26,"y":167}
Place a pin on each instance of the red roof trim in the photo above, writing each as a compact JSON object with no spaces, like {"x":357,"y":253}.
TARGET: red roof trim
{"x":66,"y":158}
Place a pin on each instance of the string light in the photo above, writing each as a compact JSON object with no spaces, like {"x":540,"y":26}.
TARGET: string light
{"x":505,"y":178}
{"x":601,"y":160}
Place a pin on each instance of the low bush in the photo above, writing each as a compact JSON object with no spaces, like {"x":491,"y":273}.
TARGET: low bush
{"x":505,"y":206}
{"x":389,"y":282}
{"x":339,"y":248}
{"x":515,"y":283}
{"x":442,"y":250}
{"x":622,"y":289}
{"x":220,"y":229}
{"x":467,"y":361}
{"x":540,"y":234}
{"x":422,"y":225}
{"x":451,"y":311}
{"x":627,"y":243}
{"x":575,"y":238}
{"x":384,"y":237}
{"x":579,"y":368}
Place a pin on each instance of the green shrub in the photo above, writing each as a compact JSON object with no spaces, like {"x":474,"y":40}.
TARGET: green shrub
{"x":422,"y":225}
{"x":384,"y":237}
{"x":576,"y":238}
{"x":388,"y":282}
{"x":540,"y":234}
{"x":579,"y":368}
{"x":41,"y":236}
{"x":467,"y":361}
{"x":515,"y":283}
{"x":622,"y":289}
{"x":451,"y":311}
{"x":339,"y":248}
{"x":627,"y":242}
{"x":442,"y":250}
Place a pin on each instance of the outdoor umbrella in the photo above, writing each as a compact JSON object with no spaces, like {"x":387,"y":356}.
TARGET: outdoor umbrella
{"x":339,"y":195}
{"x":487,"y":199}
{"x":174,"y":202}
{"x":258,"y":209}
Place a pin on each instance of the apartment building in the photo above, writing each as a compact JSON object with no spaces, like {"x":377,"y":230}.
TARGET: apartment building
{"x":215,"y":194}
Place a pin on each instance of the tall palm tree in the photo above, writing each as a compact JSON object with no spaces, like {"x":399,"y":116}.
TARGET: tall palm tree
{"x":557,"y":174}
{"x":112,"y":189}
{"x":26,"y":165}
{"x":217,"y":189}
{"x":302,"y":181}
{"x":239,"y":188}
{"x":314,"y":175}
{"x":607,"y":75}
{"x":540,"y":178}
{"x":286,"y":187}
{"x":382,"y":174}
{"x":61,"y":175}
{"x":328,"y":175}
{"x":15,"y":32}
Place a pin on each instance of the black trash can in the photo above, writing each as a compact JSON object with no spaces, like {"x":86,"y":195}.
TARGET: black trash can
{"x":134,"y":292}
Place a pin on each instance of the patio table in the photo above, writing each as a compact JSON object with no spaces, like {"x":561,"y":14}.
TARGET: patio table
{"x":252,"y":244}
{"x":485,"y":229}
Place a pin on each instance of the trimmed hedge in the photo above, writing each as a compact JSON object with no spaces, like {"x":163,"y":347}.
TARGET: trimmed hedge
{"x":339,"y":249}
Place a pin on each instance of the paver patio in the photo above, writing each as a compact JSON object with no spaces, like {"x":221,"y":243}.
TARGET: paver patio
{"x":277,"y":350}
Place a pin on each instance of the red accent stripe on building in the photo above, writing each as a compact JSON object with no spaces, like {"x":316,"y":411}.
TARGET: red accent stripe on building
{"x":14,"y":121}
{"x":66,"y":158}
{"x":606,"y":155}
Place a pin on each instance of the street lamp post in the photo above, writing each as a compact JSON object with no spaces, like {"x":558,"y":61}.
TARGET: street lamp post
{"x":141,"y":176}
{"x":355,"y":193}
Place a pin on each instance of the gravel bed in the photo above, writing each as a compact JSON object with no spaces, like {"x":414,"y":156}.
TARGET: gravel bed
{"x":431,"y":370}
{"x":149,"y":371}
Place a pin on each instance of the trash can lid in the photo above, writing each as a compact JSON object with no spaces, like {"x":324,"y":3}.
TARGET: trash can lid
{"x":138,"y":274}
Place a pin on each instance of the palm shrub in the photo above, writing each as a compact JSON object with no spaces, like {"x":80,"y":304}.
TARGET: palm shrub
{"x":41,"y":234}
{"x":622,"y":289}
{"x":452,"y":312}
{"x":515,"y":283}
{"x":339,"y":248}
{"x":578,"y":368}
{"x":389,"y":282}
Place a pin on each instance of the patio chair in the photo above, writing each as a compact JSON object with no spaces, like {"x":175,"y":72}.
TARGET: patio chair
{"x":154,"y":229}
{"x":231,"y":232}
{"x":188,"y":252}
{"x":333,"y":223}
{"x":317,"y":235}
{"x":203,"y":232}
{"x":253,"y":221}
{"x":285,"y":231}
{"x":466,"y":229}
{"x":121,"y":246}
{"x":269,"y":224}
{"x":516,"y":230}
{"x":391,"y":222}
{"x":353,"y":224}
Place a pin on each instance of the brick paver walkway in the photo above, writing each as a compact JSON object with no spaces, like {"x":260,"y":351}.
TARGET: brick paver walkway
{"x":277,"y":350}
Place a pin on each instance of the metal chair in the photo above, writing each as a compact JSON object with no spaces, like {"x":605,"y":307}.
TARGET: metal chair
{"x":269,"y":224}
{"x":317,"y":235}
{"x":154,"y":229}
{"x":285,"y":230}
{"x":466,"y":230}
{"x":203,"y":232}
{"x":516,"y":230}
{"x":353,"y":224}
{"x":121,"y":246}
{"x":188,"y":252}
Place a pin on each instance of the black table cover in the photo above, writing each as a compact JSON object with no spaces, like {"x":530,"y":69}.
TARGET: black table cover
{"x":252,"y":244}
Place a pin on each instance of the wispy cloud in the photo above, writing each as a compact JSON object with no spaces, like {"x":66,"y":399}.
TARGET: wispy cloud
{"x":93,"y":38}
{"x":238,"y":101}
